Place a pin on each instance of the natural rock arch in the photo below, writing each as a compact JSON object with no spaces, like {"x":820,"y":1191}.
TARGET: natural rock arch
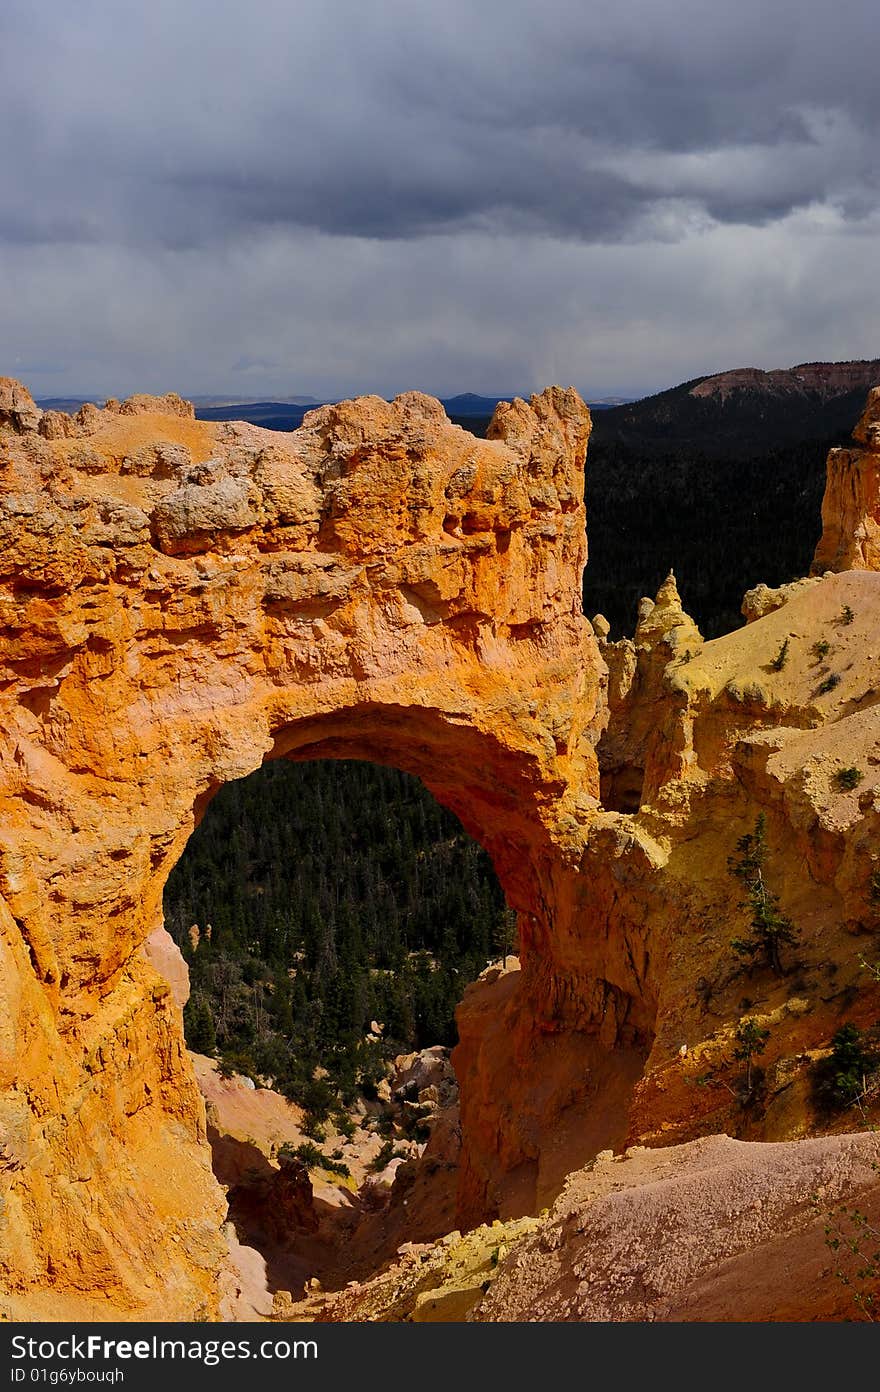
{"x":178,"y":602}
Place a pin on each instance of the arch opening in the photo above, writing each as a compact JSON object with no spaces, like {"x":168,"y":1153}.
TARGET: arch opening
{"x":331,"y":913}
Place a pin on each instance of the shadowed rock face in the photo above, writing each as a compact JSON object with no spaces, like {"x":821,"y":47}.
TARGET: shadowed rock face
{"x":178,"y":602}
{"x":181,"y":600}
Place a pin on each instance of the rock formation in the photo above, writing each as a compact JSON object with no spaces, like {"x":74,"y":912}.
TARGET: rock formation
{"x":822,"y":380}
{"x":851,"y":507}
{"x":180,"y":601}
{"x":637,"y":693}
{"x":712,"y":1230}
{"x":625,"y":1030}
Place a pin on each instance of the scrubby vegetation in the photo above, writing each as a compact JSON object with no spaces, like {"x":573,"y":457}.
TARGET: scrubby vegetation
{"x":751,"y":1040}
{"x":781,"y":657}
{"x":854,"y":1242}
{"x":828,"y":684}
{"x":313,"y":1158}
{"x":848,"y":778}
{"x":385,"y":1155}
{"x":850,"y":1072}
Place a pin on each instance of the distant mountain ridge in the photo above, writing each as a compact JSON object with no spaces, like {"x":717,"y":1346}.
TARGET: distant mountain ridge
{"x":68,"y":404}
{"x":738,"y":412}
{"x":700,"y":476}
{"x":825,"y":380}
{"x":229,"y":400}
{"x":278,"y":412}
{"x":728,"y":413}
{"x":470,"y":404}
{"x":277,"y":415}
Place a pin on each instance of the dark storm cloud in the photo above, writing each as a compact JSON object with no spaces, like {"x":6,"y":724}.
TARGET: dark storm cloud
{"x":186,"y":124}
{"x":385,"y":203}
{"x":327,"y":195}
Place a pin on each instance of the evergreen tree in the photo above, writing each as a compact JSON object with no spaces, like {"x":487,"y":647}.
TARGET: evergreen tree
{"x":199,"y":1025}
{"x":751,"y":1040}
{"x":504,"y":936}
{"x":768,"y":926}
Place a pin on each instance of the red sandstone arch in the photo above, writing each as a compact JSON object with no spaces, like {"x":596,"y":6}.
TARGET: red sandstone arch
{"x":178,"y":602}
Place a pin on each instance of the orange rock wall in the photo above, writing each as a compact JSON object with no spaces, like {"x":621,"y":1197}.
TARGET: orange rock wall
{"x":851,"y":506}
{"x":625,"y":1028}
{"x":178,"y":602}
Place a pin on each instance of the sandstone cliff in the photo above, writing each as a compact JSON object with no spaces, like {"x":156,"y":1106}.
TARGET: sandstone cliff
{"x":180,"y":601}
{"x":851,"y":507}
{"x":822,"y":380}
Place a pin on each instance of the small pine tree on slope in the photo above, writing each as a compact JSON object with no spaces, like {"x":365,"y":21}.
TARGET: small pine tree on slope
{"x":769,"y":928}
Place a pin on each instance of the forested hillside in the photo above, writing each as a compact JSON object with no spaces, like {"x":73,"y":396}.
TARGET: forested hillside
{"x":328,"y":895}
{"x":722,"y":525}
{"x":720,"y":479}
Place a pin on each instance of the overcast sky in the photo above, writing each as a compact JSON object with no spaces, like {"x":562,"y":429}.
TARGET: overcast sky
{"x":338,"y":196}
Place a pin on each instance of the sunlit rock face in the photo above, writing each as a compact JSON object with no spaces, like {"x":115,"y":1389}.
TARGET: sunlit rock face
{"x":623,"y":1027}
{"x":178,"y":602}
{"x":851,"y":507}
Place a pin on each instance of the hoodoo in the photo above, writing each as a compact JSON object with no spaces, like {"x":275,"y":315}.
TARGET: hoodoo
{"x":851,"y":507}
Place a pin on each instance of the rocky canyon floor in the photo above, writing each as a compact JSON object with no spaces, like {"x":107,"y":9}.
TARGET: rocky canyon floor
{"x":711,"y":1230}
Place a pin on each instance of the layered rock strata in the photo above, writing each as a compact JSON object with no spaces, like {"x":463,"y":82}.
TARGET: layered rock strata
{"x":178,"y":602}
